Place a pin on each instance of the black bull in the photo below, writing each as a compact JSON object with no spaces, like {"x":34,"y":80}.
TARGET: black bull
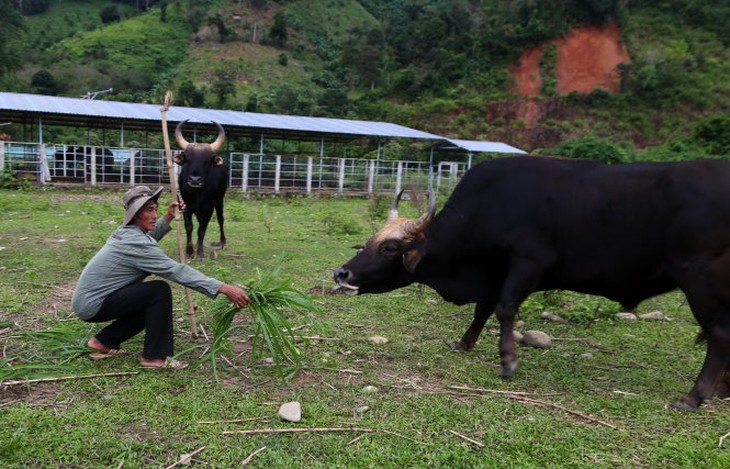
{"x":203,"y":184}
{"x":518,"y":225}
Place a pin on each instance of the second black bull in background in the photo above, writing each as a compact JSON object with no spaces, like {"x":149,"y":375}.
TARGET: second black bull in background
{"x":518,"y":225}
{"x":203,"y":184}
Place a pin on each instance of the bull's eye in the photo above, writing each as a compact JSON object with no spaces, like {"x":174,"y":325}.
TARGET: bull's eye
{"x":390,"y":248}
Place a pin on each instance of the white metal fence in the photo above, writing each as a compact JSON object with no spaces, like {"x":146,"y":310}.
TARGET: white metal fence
{"x":249,"y":173}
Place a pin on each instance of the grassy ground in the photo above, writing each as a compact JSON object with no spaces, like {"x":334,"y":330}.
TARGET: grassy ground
{"x":604,"y":409}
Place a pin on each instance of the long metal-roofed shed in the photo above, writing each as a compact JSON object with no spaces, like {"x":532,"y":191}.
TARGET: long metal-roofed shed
{"x":249,"y":171}
{"x":75,"y":112}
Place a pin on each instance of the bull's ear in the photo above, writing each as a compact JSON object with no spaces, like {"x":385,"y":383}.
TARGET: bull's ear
{"x":415,"y":253}
{"x":179,"y":158}
{"x":218,"y":160}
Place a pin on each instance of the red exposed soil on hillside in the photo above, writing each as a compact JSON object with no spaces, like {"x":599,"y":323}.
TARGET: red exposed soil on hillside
{"x":587,"y":60}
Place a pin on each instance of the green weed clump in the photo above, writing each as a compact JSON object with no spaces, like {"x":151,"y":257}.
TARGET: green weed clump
{"x":336,"y":223}
{"x":52,"y":354}
{"x":271,"y":299}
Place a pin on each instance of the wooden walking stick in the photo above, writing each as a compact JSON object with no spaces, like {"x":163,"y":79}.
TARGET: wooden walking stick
{"x":173,"y":188}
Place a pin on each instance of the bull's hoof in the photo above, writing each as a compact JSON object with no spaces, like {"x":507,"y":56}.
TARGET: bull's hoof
{"x":508,"y":370}
{"x":459,"y":346}
{"x":681,"y":405}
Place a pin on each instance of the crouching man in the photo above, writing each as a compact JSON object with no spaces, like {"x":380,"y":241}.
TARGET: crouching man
{"x":112,"y":286}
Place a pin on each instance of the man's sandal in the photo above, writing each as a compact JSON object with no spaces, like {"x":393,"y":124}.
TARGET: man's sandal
{"x":114,"y":352}
{"x":169,"y":364}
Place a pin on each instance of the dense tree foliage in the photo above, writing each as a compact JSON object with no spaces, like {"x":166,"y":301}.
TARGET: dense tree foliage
{"x":31,"y":7}
{"x":12,"y":25}
{"x":439,"y":65}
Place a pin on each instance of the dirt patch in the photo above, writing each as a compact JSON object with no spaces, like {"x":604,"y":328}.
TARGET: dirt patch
{"x":114,"y":197}
{"x":588,"y":59}
{"x":58,"y":300}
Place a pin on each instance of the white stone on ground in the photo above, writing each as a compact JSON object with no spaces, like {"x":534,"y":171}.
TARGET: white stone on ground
{"x":291,"y":411}
{"x":537,"y":339}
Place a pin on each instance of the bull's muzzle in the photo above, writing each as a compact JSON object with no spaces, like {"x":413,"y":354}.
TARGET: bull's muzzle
{"x":341,"y":276}
{"x":195,"y":182}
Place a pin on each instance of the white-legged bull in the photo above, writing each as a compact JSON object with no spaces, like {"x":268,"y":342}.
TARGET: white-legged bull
{"x":203,"y":184}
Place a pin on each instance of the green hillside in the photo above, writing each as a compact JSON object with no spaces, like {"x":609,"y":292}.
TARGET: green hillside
{"x":437,"y":65}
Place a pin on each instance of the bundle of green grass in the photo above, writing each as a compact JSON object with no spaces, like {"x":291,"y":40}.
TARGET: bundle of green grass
{"x":272,"y":299}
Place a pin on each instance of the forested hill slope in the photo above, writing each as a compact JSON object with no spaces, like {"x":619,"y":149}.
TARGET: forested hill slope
{"x":640,"y":74}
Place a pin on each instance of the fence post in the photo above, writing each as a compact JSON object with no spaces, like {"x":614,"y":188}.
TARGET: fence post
{"x":341,"y":175}
{"x":44,"y":174}
{"x":92,"y":158}
{"x":132,"y":165}
{"x":398,"y":177}
{"x":277,"y":174}
{"x":371,"y":176}
{"x":309,"y":175}
{"x":2,"y":156}
{"x":244,"y":173}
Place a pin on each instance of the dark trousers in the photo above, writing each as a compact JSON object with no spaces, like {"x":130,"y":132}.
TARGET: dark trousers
{"x":145,"y":305}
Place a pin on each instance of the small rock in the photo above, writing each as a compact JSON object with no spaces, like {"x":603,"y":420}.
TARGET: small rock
{"x":519,"y":324}
{"x":537,"y":339}
{"x":655,"y":315}
{"x":551,"y":317}
{"x":518,"y":336}
{"x":370,"y":389}
{"x":626,"y":315}
{"x":586,"y":355}
{"x":267,"y":361}
{"x":362,"y":409}
{"x":376,"y":339}
{"x":291,"y":411}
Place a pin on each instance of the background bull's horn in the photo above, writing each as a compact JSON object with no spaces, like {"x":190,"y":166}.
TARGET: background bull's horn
{"x":393,"y":213}
{"x":220,"y":139}
{"x":181,"y":142}
{"x":426,"y":218}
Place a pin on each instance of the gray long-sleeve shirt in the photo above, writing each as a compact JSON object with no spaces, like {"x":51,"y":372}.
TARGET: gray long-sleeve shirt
{"x":129,"y":255}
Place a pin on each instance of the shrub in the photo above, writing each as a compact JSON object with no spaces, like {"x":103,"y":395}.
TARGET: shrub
{"x":338,"y":223}
{"x":713,"y":134}
{"x":9,"y":180}
{"x":594,"y":148}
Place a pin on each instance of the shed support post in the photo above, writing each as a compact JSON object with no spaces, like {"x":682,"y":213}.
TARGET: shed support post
{"x":399,"y":177}
{"x":2,"y":156}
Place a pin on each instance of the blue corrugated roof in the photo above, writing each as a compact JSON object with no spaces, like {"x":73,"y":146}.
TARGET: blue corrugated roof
{"x":121,"y":111}
{"x":54,"y":110}
{"x":476,"y":146}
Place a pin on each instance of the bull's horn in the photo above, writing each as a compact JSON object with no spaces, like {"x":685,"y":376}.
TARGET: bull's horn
{"x":393,"y":213}
{"x":426,"y":218}
{"x":181,"y":142}
{"x":218,"y":144}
